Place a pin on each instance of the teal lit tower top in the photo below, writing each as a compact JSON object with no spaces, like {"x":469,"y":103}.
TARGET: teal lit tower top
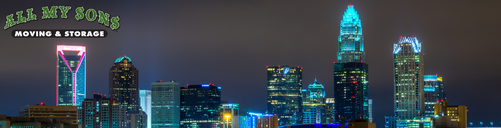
{"x":350,"y":40}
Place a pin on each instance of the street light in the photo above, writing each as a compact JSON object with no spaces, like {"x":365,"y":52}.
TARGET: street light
{"x":227,"y":119}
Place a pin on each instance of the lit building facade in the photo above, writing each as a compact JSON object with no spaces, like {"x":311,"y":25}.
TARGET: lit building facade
{"x":350,"y":40}
{"x":457,"y":115}
{"x":313,"y":103}
{"x":101,"y":112}
{"x":123,"y":78}
{"x":408,"y":80}
{"x":351,"y":74}
{"x":370,"y":110}
{"x":145,"y":103}
{"x":329,"y":109}
{"x":70,"y":85}
{"x":259,"y":120}
{"x":230,"y":115}
{"x":200,"y":106}
{"x":284,"y":94}
{"x":55,"y":112}
{"x":165,"y":104}
{"x":351,"y":91}
{"x":433,"y":92}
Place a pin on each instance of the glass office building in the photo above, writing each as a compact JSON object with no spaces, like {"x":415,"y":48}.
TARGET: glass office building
{"x":433,"y":93}
{"x":284,"y":94}
{"x":70,"y":84}
{"x":200,"y":106}
{"x":165,"y":104}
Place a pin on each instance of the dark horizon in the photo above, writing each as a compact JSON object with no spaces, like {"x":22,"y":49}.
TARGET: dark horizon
{"x":230,"y":43}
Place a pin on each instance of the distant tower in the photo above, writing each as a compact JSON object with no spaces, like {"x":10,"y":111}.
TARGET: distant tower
{"x":124,"y":83}
{"x":145,"y":99}
{"x":70,"y":85}
{"x":284,"y":94}
{"x":351,"y":74}
{"x":408,"y":67}
{"x":433,"y":93}
{"x":313,"y":103}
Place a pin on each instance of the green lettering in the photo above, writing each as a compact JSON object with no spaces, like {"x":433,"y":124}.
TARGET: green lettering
{"x":52,"y":13}
{"x":80,"y":14}
{"x":31,"y":16}
{"x":20,"y":18}
{"x":88,"y":16}
{"x":10,"y":21}
{"x":64,"y":11}
{"x":104,"y":18}
{"x":114,"y":23}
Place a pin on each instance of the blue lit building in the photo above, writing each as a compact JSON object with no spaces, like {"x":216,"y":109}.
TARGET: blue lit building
{"x":200,"y":106}
{"x":433,"y":93}
{"x":70,"y":85}
{"x":408,"y":82}
{"x":284,"y":94}
{"x":351,"y":74}
{"x":145,"y":103}
{"x":124,"y":84}
{"x":313,"y":104}
{"x":259,"y":120}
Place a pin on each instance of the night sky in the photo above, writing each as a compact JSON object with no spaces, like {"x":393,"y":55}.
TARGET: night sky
{"x":230,"y":43}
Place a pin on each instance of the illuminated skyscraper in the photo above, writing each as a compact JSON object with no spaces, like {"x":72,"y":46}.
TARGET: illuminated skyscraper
{"x":284,"y":94}
{"x":433,"y":93}
{"x":313,"y":103}
{"x":329,"y":109}
{"x":350,"y":40}
{"x":351,"y":74}
{"x":124,"y":83}
{"x":70,"y":85}
{"x":200,"y":106}
{"x":165,"y":104}
{"x":230,"y":115}
{"x":145,"y":99}
{"x":408,"y":70}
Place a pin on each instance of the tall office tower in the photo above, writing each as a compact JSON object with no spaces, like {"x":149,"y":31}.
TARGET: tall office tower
{"x":124,"y":83}
{"x":313,"y":103}
{"x":101,"y":112}
{"x":351,"y":89}
{"x":408,"y":70}
{"x":370,"y":110}
{"x":329,"y":109}
{"x":230,"y":115}
{"x":433,"y":93}
{"x":145,"y":103}
{"x":70,"y":85}
{"x":284,"y":94}
{"x":165,"y":102}
{"x":200,"y":106}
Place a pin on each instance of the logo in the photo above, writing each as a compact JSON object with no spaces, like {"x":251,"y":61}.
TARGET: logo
{"x":90,"y":15}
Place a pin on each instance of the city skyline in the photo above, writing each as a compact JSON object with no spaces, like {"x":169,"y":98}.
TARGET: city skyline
{"x":172,"y":54}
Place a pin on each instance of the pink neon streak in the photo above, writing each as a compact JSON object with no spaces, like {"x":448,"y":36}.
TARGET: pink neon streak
{"x":57,"y":84}
{"x":74,"y":89}
{"x":62,"y":48}
{"x":61,"y":52}
{"x":80,"y":62}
